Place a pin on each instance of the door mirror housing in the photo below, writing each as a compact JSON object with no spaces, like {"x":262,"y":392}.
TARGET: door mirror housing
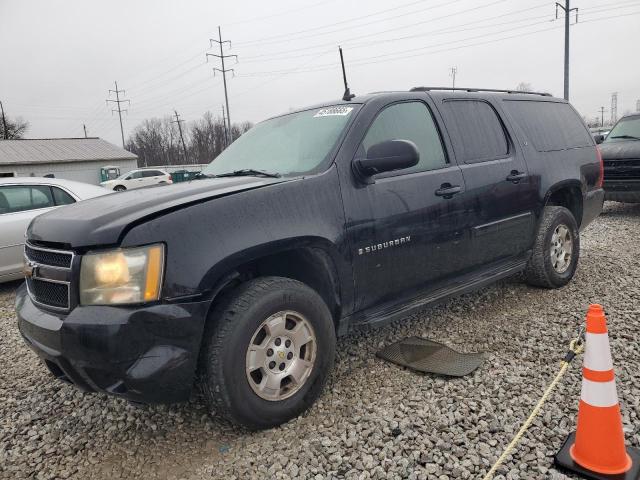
{"x":599,"y":139}
{"x":387,"y":156}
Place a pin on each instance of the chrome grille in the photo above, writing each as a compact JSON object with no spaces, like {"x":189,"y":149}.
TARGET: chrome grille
{"x":48,"y":276}
{"x":49,"y":293}
{"x":49,"y":257}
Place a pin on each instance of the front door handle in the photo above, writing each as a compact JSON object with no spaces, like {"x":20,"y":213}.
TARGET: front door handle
{"x":515,"y":176}
{"x":447,"y":190}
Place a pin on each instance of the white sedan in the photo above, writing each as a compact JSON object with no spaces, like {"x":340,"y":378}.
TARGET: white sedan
{"x":137,"y":179}
{"x":22,"y":199}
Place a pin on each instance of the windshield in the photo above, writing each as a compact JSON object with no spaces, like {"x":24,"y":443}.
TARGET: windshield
{"x":293,"y":144}
{"x":625,"y":129}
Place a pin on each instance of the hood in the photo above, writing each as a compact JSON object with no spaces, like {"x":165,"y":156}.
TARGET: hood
{"x":103,"y":220}
{"x":620,"y":150}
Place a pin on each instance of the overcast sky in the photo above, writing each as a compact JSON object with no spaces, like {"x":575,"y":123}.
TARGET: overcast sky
{"x":59,"y":58}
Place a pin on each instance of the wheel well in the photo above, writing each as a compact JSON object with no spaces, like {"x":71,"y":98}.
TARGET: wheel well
{"x":309,"y":265}
{"x":570,"y":198}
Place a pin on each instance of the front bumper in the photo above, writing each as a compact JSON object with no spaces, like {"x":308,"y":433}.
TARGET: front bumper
{"x":622,"y":190}
{"x":146,"y":354}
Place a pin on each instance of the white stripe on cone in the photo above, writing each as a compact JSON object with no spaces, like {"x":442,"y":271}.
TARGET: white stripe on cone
{"x":599,"y":394}
{"x":597,"y":355}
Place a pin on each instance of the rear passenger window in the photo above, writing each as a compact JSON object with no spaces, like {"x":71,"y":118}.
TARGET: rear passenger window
{"x":61,"y":197}
{"x":409,"y":121}
{"x":480,"y":134}
{"x":550,"y":126}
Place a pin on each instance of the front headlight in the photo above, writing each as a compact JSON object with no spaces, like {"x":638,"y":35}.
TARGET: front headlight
{"x":127,"y":275}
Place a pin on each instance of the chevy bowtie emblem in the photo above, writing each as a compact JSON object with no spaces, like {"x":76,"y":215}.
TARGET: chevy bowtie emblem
{"x":30,"y":270}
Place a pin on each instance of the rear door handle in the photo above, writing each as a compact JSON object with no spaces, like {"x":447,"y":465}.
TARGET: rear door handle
{"x":447,"y":190}
{"x":515,"y":176}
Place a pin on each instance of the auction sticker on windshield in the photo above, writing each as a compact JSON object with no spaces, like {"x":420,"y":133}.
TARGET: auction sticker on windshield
{"x":333,"y":112}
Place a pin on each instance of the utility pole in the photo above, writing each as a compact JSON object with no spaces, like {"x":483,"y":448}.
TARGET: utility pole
{"x":602,"y":110}
{"x":567,"y":13}
{"x":452,"y":74}
{"x":84,"y":127}
{"x":179,"y":122}
{"x":637,"y":105}
{"x":614,"y":107}
{"x":224,"y":71}
{"x":224,"y":122}
{"x":4,"y":123}
{"x":118,"y":109}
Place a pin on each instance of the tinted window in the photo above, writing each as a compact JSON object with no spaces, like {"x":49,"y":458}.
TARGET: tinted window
{"x":550,"y":126}
{"x":21,"y":198}
{"x":480,"y":135}
{"x":409,"y":121}
{"x":151,"y":173}
{"x":61,"y":197}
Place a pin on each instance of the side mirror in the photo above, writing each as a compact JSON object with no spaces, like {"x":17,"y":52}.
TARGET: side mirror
{"x":387,"y":156}
{"x":599,"y":139}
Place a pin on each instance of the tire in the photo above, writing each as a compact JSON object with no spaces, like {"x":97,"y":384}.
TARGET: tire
{"x":228,"y":385}
{"x":119,"y":188}
{"x":541,"y":271}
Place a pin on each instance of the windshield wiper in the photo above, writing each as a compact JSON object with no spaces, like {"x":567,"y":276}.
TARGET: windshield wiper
{"x":626,"y":136}
{"x":248,"y":172}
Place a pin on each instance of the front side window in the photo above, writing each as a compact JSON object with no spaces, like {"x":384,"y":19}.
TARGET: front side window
{"x":480,"y":135}
{"x":625,"y":129}
{"x":133,"y":175}
{"x":19,"y":198}
{"x":292,"y":144}
{"x":409,"y":121}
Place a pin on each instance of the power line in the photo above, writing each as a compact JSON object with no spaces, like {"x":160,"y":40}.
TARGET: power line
{"x":118,"y":109}
{"x":224,"y":71}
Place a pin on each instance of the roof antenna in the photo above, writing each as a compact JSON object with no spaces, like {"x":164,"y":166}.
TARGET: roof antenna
{"x":347,"y":94}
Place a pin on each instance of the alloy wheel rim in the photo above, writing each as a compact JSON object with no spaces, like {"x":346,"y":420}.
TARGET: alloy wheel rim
{"x":281,"y":355}
{"x":561,"y":248}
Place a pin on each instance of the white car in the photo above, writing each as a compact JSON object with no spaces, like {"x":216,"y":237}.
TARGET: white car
{"x":137,"y":179}
{"x":22,"y":199}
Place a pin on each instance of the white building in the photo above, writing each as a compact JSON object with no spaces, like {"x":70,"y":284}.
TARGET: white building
{"x":78,"y":159}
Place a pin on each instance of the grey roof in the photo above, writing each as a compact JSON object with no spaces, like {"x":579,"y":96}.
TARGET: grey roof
{"x":58,"y":150}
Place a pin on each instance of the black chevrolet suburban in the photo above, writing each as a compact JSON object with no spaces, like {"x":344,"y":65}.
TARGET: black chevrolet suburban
{"x":310,"y":224}
{"x":621,"y":156}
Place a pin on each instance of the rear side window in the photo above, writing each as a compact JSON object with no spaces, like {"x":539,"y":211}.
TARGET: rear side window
{"x":480,"y":134}
{"x":549,"y":126}
{"x":20,"y":198}
{"x":409,"y":121}
{"x":61,"y":197}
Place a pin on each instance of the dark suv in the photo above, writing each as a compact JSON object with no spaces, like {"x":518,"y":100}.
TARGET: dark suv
{"x":313,"y":222}
{"x":621,"y":155}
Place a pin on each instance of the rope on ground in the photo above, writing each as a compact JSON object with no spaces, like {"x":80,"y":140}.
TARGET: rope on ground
{"x":575,"y":347}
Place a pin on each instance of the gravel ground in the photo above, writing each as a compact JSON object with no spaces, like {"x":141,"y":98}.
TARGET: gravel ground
{"x":375,"y":420}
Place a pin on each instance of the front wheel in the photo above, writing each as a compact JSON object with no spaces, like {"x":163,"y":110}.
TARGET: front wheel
{"x":119,"y":188}
{"x":556,"y":250}
{"x":268,"y":350}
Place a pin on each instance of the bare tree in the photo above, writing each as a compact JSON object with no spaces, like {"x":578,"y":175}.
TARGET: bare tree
{"x":157,"y":141}
{"x":16,"y":128}
{"x":524,"y":87}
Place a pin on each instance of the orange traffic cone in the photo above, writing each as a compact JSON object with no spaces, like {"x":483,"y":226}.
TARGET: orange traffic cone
{"x":596,"y":450}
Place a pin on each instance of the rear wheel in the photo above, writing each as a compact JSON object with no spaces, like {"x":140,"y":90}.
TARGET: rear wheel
{"x":556,"y":250}
{"x":268,"y":351}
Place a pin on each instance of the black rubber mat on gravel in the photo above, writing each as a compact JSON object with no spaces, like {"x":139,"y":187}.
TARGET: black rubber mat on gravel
{"x":431,"y":357}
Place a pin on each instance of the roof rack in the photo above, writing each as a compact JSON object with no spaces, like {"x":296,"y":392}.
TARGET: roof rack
{"x":428,"y":89}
